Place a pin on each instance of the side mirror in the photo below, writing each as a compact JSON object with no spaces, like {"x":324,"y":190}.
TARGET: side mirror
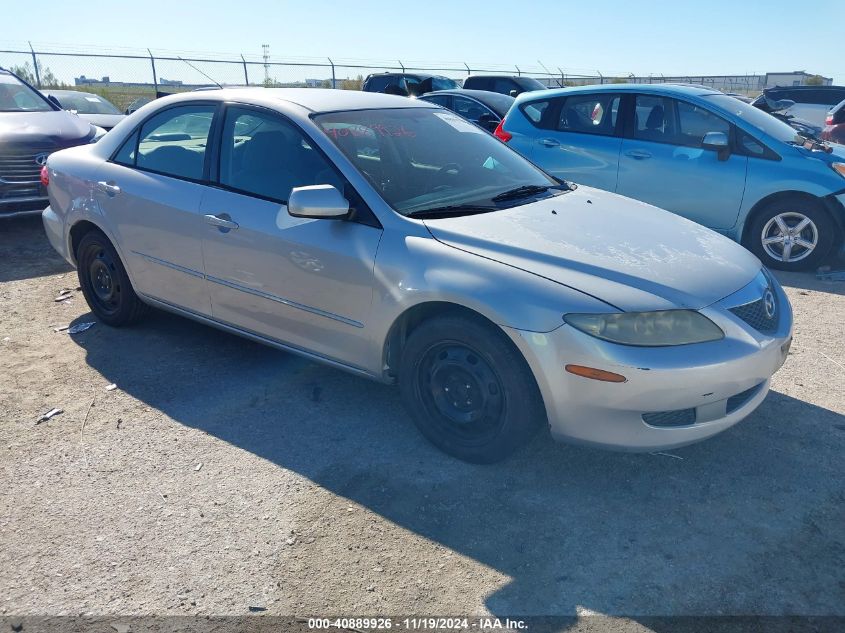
{"x":318,"y":202}
{"x":488,"y":122}
{"x":52,"y":99}
{"x":717,"y":142}
{"x":514,"y":93}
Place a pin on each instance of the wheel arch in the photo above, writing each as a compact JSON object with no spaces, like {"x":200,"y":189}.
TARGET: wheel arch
{"x":410,"y":319}
{"x":78,"y":231}
{"x":829,"y":204}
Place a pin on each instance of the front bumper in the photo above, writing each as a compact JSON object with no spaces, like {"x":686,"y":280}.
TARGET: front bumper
{"x":687,"y":393}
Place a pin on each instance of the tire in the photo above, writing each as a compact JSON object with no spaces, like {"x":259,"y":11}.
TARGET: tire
{"x":818,"y":231}
{"x":469,"y":390}
{"x":104,"y":282}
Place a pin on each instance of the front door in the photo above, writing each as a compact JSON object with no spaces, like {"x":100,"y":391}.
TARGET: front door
{"x":304,"y":282}
{"x":150,"y":192}
{"x":662,"y":162}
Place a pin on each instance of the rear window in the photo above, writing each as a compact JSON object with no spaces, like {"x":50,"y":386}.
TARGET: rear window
{"x":379,"y":83}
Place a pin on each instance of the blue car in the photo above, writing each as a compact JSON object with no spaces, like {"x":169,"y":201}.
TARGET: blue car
{"x":696,"y":152}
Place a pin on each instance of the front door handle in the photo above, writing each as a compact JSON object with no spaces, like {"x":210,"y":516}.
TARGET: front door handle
{"x":108,"y":188}
{"x":638,"y":154}
{"x":223,"y":221}
{"x":549,"y":142}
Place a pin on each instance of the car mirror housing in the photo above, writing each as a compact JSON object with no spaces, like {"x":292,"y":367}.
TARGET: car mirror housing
{"x":319,"y":202}
{"x":718,"y":142}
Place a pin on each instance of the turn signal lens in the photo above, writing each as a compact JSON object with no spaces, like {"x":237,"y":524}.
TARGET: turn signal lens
{"x":45,"y":176}
{"x":839,"y":168}
{"x":595,"y":374}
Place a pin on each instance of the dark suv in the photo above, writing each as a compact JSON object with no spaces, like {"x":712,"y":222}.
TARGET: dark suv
{"x":31,"y":128}
{"x":512,"y":85}
{"x":407,"y":84}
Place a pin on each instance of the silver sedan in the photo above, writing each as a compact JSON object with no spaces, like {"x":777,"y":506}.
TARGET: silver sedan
{"x":393,"y":239}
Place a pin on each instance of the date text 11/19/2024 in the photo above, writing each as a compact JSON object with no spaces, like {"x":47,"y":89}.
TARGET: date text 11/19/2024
{"x":419,"y":623}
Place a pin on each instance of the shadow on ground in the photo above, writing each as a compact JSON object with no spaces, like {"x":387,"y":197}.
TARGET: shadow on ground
{"x":25,"y":251}
{"x":749,"y":522}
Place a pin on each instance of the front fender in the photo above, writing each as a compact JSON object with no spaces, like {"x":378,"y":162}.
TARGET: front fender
{"x":413,"y":270}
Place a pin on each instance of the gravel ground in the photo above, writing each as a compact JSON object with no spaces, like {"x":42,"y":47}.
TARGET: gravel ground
{"x":221,"y":475}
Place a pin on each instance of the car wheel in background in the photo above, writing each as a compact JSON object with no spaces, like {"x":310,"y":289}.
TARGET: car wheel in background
{"x":104,"y":282}
{"x":793,"y":233}
{"x":468,"y":389}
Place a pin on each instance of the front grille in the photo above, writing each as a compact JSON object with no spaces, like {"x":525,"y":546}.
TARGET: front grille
{"x":735,"y":402}
{"x":754,"y":314}
{"x":19,"y":167}
{"x":680,"y":417}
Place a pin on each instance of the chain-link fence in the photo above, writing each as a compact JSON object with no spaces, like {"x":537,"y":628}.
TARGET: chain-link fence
{"x":124,"y":77}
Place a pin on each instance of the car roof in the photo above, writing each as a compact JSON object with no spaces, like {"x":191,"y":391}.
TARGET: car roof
{"x":469,"y":92}
{"x":313,"y":99}
{"x":403,"y":73}
{"x":661,"y":89}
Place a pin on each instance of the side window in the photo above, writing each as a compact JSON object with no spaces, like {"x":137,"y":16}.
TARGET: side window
{"x":504,"y":86}
{"x":441,"y":100}
{"x":126,"y":154}
{"x":654,"y":119}
{"x":174,"y":142}
{"x":378,"y":83}
{"x":589,"y":114}
{"x":264,"y":155}
{"x":534,"y":110}
{"x":752,"y":146}
{"x":470,"y":109}
{"x":694,"y":122}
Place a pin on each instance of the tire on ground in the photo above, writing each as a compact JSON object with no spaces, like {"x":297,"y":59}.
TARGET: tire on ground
{"x":125,"y":307}
{"x":498,"y":373}
{"x":806,"y":206}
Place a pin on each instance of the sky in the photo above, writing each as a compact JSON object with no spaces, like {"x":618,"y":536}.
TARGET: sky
{"x":611,"y":36}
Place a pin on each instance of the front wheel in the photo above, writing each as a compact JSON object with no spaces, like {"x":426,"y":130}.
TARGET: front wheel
{"x":793,"y":233}
{"x":469,"y":390}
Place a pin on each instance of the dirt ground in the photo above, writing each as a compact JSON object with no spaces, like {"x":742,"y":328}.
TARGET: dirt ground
{"x":221,"y":476}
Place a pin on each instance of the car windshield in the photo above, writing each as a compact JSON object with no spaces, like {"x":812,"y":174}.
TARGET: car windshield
{"x":754,"y":116}
{"x":443,"y":83}
{"x":16,"y":96}
{"x":422,"y":159}
{"x":529,"y":83}
{"x":85,"y":103}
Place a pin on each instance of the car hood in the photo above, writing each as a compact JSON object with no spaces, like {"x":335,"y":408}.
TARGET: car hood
{"x":105,"y":121}
{"x":626,"y":253}
{"x":58,"y":127}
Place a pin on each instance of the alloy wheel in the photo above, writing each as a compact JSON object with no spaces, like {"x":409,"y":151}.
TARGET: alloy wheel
{"x":789,"y":237}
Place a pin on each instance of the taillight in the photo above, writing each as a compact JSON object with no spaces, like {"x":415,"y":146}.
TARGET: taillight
{"x":45,"y":176}
{"x":500,"y":132}
{"x":829,"y":119}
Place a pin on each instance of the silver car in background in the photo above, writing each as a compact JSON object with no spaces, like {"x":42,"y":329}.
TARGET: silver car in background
{"x":396,"y":240}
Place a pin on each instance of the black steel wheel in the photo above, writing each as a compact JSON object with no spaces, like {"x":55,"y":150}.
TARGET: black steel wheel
{"x":104,"y":281}
{"x":468,"y":389}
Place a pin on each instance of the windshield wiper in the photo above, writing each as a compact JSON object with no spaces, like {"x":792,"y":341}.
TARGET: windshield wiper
{"x":450,"y":210}
{"x":528,"y":190}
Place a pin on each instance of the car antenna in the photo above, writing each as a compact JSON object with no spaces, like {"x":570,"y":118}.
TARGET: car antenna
{"x":201,"y":73}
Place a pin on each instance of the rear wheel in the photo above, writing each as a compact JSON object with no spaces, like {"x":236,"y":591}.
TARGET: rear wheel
{"x":793,"y":233}
{"x":468,"y":389}
{"x":104,"y":282}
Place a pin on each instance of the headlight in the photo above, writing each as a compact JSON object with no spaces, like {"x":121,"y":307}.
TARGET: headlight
{"x":98,"y":133}
{"x":839,"y":168}
{"x":648,"y":329}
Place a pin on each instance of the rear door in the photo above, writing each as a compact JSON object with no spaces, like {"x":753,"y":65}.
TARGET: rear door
{"x":581,"y":139}
{"x":305,"y":282}
{"x":150,"y":191}
{"x":663,"y":162}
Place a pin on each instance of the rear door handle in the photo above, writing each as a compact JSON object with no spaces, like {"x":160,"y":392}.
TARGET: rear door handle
{"x":223,"y":221}
{"x":108,"y":188}
{"x":549,"y":142}
{"x":638,"y":154}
